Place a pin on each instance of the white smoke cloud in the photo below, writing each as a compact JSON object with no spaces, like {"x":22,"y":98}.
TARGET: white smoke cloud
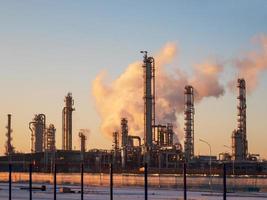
{"x":123,"y":97}
{"x":252,"y":64}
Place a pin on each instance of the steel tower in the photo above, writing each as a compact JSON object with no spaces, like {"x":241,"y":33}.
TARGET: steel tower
{"x":67,"y":123}
{"x":149,"y":102}
{"x":189,"y":122}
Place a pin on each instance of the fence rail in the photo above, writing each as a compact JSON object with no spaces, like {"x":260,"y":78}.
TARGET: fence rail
{"x":146,"y":180}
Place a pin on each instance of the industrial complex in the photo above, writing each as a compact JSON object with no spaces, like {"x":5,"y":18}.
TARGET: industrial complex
{"x":159,"y":150}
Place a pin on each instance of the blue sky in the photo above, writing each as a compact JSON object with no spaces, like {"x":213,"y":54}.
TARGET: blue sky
{"x":48,"y":48}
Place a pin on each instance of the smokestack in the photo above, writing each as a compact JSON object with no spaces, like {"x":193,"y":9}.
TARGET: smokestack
{"x":239,"y":137}
{"x":9,"y":148}
{"x":67,"y":123}
{"x":189,"y":122}
{"x":149,"y":101}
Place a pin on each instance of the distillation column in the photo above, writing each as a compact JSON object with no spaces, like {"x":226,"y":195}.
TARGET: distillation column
{"x":124,"y":141}
{"x":149,"y":103}
{"x":169,"y":134}
{"x":115,"y":141}
{"x":51,"y":138}
{"x":115,"y":147}
{"x":67,"y":123}
{"x":37,"y":127}
{"x":189,"y":122}
{"x":239,"y":136}
{"x":83,"y":139}
{"x":9,"y":147}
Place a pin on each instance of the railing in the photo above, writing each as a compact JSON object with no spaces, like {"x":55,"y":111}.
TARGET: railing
{"x":111,"y":181}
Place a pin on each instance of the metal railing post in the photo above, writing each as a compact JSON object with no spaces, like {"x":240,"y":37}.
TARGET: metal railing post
{"x":111,"y":181}
{"x":10,"y":181}
{"x":55,"y":181}
{"x":146,"y":195}
{"x":224,"y":182}
{"x":82,"y":170}
{"x":30,"y":180}
{"x":185,"y":184}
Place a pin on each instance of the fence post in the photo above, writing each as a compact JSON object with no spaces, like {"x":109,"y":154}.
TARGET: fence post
{"x":224,"y":182}
{"x":111,"y":181}
{"x":30,"y":180}
{"x":82,"y":170}
{"x":146,"y":196}
{"x":185,"y":184}
{"x":55,"y":181}
{"x":10,"y":180}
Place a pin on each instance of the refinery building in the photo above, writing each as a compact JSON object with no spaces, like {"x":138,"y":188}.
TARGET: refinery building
{"x":130,"y":152}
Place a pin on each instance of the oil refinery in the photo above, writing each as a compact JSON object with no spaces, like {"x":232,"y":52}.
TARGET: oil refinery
{"x":157,"y":147}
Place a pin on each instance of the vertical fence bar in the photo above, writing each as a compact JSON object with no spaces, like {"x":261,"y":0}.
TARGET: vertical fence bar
{"x":146,"y":196}
{"x":224,"y":182}
{"x":111,"y":181}
{"x":82,"y":170}
{"x":55,"y":181}
{"x":10,"y":180}
{"x":185,"y":184}
{"x":30,"y":180}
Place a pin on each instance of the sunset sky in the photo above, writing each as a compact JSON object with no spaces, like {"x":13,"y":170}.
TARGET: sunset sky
{"x":50,"y":48}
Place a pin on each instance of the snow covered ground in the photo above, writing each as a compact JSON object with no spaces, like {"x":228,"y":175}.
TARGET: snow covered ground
{"x":125,"y":193}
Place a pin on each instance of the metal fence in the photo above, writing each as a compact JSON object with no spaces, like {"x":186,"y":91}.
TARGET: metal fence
{"x":146,"y":178}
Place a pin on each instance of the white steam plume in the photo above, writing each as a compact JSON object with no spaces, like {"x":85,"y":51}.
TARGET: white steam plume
{"x":123,"y":97}
{"x":251,"y":65}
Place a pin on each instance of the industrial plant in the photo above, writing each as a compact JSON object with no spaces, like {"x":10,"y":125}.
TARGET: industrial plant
{"x":157,"y":148}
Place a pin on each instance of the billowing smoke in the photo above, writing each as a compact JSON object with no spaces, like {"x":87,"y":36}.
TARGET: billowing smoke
{"x":123,"y":97}
{"x":251,"y":65}
{"x":205,"y":80}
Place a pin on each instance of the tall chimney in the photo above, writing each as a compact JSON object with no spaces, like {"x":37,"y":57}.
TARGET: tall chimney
{"x":189,"y":122}
{"x":9,"y":147}
{"x":67,"y":123}
{"x":149,"y":102}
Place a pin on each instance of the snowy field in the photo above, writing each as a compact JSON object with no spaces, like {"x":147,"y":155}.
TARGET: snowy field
{"x":129,"y":193}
